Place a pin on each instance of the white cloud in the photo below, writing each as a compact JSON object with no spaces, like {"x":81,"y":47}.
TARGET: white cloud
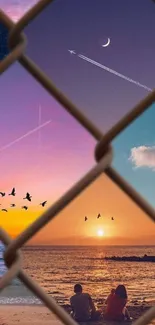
{"x":143,"y":156}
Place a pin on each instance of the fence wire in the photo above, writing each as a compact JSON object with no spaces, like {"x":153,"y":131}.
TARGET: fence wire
{"x":103,"y":155}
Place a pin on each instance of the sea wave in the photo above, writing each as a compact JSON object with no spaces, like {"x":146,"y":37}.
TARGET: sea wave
{"x":58,"y":269}
{"x":30,"y":300}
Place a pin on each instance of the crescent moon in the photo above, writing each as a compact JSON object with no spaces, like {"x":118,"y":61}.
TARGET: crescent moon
{"x":108,"y":42}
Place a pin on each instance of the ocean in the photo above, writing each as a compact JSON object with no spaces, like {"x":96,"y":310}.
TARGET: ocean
{"x":58,"y":268}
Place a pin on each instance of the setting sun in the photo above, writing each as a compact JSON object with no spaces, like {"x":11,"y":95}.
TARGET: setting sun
{"x":100,"y":233}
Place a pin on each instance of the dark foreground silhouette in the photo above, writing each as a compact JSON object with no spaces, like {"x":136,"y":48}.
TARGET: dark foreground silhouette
{"x":83,"y":309}
{"x":135,"y":311}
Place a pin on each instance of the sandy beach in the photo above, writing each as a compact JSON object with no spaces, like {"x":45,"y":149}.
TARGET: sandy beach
{"x":38,"y":315}
{"x":26,"y":315}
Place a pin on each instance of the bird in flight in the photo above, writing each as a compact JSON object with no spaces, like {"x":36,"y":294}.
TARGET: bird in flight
{"x":2,"y":194}
{"x":112,"y":218}
{"x":24,"y":207}
{"x":12,"y":205}
{"x":13,"y":192}
{"x":85,"y":218}
{"x":27,"y":197}
{"x":43,"y":203}
{"x":5,"y":210}
{"x":99,"y":216}
{"x":71,"y":51}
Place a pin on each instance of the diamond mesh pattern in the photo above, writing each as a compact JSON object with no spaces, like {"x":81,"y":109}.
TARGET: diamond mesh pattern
{"x":103,"y":154}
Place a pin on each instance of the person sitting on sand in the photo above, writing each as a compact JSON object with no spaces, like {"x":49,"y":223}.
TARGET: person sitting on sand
{"x":82,"y":306}
{"x":116,"y":306}
{"x":111,"y":294}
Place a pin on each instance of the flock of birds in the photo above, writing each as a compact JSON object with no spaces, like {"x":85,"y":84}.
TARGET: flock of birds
{"x":27,"y":197}
{"x":98,"y":216}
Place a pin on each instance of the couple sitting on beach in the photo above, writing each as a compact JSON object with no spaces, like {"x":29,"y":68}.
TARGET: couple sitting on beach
{"x":83,"y":308}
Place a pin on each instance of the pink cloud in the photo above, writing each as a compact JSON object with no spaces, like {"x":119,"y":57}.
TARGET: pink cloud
{"x":16,"y":10}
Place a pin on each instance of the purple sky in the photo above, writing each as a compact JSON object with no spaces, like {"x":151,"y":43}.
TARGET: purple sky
{"x":65,"y":151}
{"x":102,"y":96}
{"x":84,"y":26}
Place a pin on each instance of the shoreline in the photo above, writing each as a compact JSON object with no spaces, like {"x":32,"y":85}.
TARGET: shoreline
{"x":33,"y":314}
{"x":65,"y":306}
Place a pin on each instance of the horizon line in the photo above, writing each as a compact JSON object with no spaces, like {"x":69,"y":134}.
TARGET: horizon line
{"x":71,"y":245}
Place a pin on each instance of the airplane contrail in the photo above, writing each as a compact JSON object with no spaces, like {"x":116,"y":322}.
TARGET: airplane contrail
{"x":39,"y":123}
{"x":25,"y":135}
{"x":113,"y":72}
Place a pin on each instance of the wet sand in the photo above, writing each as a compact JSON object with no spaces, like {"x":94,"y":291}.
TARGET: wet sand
{"x":38,"y":315}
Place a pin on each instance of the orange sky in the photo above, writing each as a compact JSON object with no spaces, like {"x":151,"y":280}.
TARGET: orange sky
{"x":130,"y":227}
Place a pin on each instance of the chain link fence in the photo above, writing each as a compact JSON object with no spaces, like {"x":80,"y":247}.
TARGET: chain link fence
{"x":103,"y":155}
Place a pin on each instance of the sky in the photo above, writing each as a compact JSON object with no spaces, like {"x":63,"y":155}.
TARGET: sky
{"x":44,"y":150}
{"x":15,"y":9}
{"x":135,"y":154}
